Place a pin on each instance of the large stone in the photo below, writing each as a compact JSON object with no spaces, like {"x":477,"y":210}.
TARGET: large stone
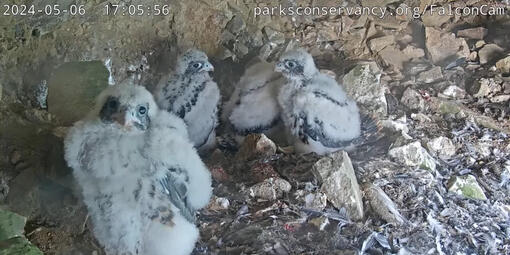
{"x":489,"y":53}
{"x":414,"y":155}
{"x":364,"y":85}
{"x":338,"y":181}
{"x":444,"y":46}
{"x":73,"y":89}
{"x":442,"y":147}
{"x":466,"y":186}
{"x":503,"y":65}
{"x":11,"y":225}
{"x":382,"y":205}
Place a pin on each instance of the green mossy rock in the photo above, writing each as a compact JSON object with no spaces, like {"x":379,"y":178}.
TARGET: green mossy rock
{"x":18,"y":246}
{"x":73,"y":88}
{"x":11,"y":225}
{"x":466,"y":186}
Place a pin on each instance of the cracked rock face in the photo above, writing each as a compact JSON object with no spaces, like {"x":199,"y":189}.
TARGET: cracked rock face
{"x":442,"y":146}
{"x":339,"y":183}
{"x":444,"y":46}
{"x":364,"y":85}
{"x":466,"y":186}
{"x":413,"y":155}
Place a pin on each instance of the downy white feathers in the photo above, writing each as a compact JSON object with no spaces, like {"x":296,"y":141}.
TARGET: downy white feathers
{"x":139,"y":175}
{"x":316,"y":111}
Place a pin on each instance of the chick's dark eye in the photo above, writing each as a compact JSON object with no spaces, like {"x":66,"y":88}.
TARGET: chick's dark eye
{"x":197,"y":65}
{"x":112,"y":104}
{"x":142,"y":110}
{"x":290,"y":64}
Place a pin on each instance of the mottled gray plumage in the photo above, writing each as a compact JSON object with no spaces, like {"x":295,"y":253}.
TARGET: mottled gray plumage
{"x":124,"y":156}
{"x":190,"y":93}
{"x":318,"y":114}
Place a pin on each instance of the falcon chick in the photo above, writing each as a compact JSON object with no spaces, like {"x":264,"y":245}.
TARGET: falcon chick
{"x":315,"y":109}
{"x":139,"y":175}
{"x":253,"y":106}
{"x":191,"y":94}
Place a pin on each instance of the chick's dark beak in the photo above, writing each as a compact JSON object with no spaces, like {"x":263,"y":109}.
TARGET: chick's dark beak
{"x":125,"y":118}
{"x":120,"y":117}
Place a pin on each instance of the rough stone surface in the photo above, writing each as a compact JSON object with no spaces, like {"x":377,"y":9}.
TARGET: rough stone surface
{"x":317,"y":201}
{"x":442,"y":146}
{"x":394,"y":58}
{"x":75,"y":86}
{"x":339,"y":183}
{"x":453,"y":92}
{"x":413,"y":52}
{"x":364,"y":85}
{"x":500,"y":98}
{"x":489,"y":53}
{"x":485,"y":87}
{"x":466,"y":186}
{"x":413,"y":100}
{"x":444,"y":46}
{"x":431,"y":75}
{"x":414,"y":155}
{"x":379,"y":43}
{"x":473,"y":33}
{"x":11,"y":225}
{"x":382,"y":205}
{"x":270,"y":189}
{"x":503,"y":65}
{"x":434,"y":19}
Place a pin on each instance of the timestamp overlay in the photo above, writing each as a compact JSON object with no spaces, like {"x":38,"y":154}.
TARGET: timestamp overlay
{"x":48,"y":10}
{"x":82,"y":10}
